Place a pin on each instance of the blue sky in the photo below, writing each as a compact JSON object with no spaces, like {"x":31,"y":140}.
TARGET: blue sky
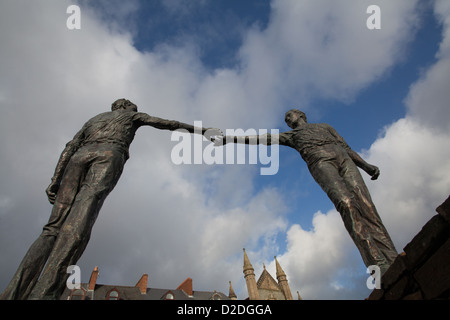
{"x":230,"y":64}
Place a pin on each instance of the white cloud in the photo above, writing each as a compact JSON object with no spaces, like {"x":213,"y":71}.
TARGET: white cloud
{"x":323,"y":48}
{"x":428,"y":98}
{"x":316,"y":261}
{"x":414,"y":152}
{"x":413,"y":160}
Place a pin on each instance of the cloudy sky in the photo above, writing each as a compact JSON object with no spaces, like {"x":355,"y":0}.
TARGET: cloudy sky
{"x":229,"y":64}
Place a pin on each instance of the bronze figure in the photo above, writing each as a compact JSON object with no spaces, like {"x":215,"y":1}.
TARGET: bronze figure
{"x":87,"y":171}
{"x":333,"y":164}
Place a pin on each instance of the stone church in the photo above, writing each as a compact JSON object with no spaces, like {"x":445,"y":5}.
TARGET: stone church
{"x":266,"y":288}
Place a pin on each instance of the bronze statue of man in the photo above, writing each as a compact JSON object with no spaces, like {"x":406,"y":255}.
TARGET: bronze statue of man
{"x":87,"y":171}
{"x":333,"y":164}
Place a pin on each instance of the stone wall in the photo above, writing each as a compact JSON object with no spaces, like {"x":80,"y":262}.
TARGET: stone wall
{"x":422,"y":271}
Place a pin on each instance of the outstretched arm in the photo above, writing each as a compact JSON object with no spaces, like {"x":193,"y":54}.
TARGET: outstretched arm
{"x":265,"y":139}
{"x":71,"y":147}
{"x":172,"y":125}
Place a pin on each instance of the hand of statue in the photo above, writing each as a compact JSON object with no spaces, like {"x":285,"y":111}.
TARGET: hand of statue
{"x":374,"y":172}
{"x":51,"y":191}
{"x":212,"y":133}
{"x":219,"y":141}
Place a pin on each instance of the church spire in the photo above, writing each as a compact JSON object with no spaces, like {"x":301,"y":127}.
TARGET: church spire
{"x":282,"y":281}
{"x":249,"y":275}
{"x":231,"y":294}
{"x":247,"y":264}
{"x":280,"y":272}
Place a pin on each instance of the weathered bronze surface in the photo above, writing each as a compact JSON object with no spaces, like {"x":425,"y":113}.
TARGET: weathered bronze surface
{"x":333,"y":164}
{"x":87,"y":171}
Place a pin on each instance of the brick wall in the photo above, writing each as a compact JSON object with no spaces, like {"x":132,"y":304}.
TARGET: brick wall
{"x":422,"y":271}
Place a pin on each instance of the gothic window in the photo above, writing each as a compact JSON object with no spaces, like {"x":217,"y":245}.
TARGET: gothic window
{"x":113,"y":295}
{"x":169,"y":296}
{"x":216,"y":296}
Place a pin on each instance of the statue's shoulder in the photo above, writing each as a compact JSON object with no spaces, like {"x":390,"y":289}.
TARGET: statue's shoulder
{"x":320,"y":125}
{"x":100,"y":116}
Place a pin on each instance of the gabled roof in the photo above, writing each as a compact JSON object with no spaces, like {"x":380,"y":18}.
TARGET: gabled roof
{"x":94,"y":291}
{"x":267,"y":282}
{"x":134,"y":293}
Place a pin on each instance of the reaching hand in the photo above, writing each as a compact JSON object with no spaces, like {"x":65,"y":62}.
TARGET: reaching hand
{"x":374,"y":171}
{"x":51,"y":191}
{"x":212,"y":133}
{"x":219,"y":141}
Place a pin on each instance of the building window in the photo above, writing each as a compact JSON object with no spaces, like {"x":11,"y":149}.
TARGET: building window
{"x":169,"y":296}
{"x":113,"y":295}
{"x":77,"y":294}
{"x":216,"y":296}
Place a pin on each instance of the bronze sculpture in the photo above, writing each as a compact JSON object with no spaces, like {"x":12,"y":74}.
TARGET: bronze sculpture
{"x":87,"y":171}
{"x":333,"y":164}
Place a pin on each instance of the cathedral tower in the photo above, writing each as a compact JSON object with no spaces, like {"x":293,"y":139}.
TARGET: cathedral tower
{"x":249,"y":275}
{"x":282,"y":281}
{"x":266,"y":288}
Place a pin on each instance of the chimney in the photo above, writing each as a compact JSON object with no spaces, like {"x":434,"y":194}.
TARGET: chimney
{"x":93,"y":279}
{"x":186,"y":286}
{"x":142,"y":284}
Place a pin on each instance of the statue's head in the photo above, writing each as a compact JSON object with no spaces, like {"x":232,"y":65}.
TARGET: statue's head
{"x":292,"y":117}
{"x":123,"y":104}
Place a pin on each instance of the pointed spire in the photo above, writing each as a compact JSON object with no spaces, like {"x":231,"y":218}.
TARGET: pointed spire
{"x":247,"y":264}
{"x":299,"y":296}
{"x":249,"y":275}
{"x":231,"y":293}
{"x":280,"y":271}
{"x":282,"y":281}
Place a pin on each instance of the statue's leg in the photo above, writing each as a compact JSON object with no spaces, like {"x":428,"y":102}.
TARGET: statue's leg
{"x":30,"y":268}
{"x":334,"y":180}
{"x":379,"y":238}
{"x":74,"y":235}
